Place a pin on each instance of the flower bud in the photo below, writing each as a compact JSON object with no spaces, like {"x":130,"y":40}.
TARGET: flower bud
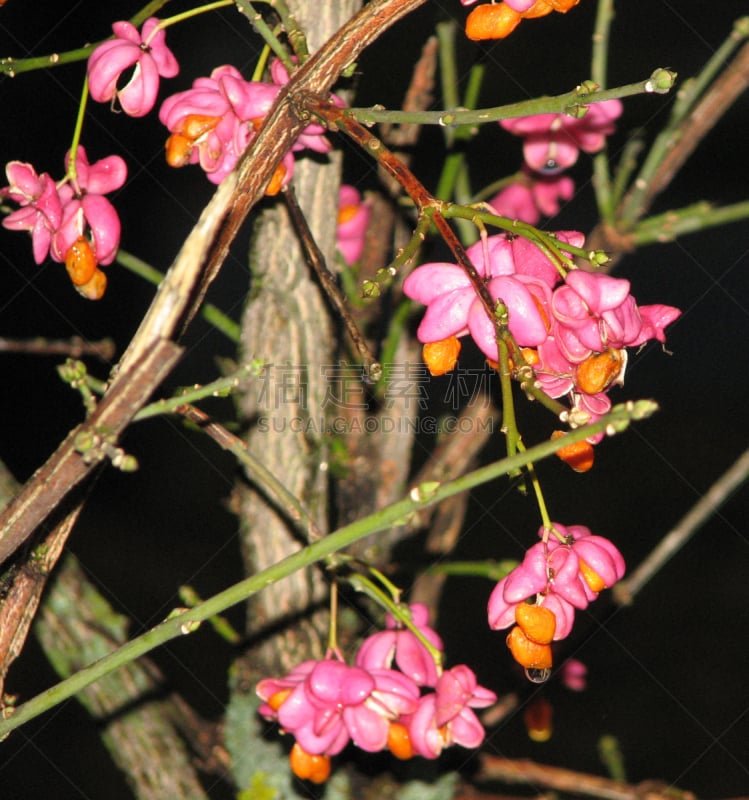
{"x":661,"y":81}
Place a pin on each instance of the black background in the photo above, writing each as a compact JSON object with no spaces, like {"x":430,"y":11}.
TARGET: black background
{"x":668,"y":675}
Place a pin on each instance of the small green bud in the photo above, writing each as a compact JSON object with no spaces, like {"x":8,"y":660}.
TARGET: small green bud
{"x":741,"y":27}
{"x":576,"y":110}
{"x":72,"y":370}
{"x":598,"y":258}
{"x":661,"y":81}
{"x":370,"y":289}
{"x":587,"y":88}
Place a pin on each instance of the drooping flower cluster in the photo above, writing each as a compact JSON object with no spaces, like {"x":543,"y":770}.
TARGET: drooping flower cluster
{"x":73,"y":222}
{"x":562,"y":573}
{"x":499,"y":20}
{"x":552,"y":142}
{"x":354,"y":214}
{"x":573,"y":331}
{"x":327,"y":704}
{"x":212,"y":123}
{"x":533,"y":196}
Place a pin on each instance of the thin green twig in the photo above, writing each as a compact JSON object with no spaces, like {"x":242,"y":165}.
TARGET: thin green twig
{"x":183,"y":622}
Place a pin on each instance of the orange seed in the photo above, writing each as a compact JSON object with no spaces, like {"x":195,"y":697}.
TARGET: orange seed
{"x":537,"y":623}
{"x":440,"y":357}
{"x":599,"y":371}
{"x":80,"y":261}
{"x":528,"y":654}
{"x":94,"y":289}
{"x":591,"y":577}
{"x":491,"y":21}
{"x":309,"y":767}
{"x":579,"y":455}
{"x":399,"y":741}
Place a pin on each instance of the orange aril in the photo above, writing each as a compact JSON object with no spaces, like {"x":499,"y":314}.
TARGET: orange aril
{"x":94,"y":288}
{"x":178,"y":150}
{"x":80,"y":261}
{"x":537,"y":623}
{"x":276,"y":182}
{"x":494,"y":21}
{"x":399,"y":741}
{"x":275,"y":701}
{"x":440,"y":357}
{"x":599,"y":371}
{"x":591,"y":577}
{"x":307,"y":766}
{"x":527,"y":653}
{"x":579,"y":455}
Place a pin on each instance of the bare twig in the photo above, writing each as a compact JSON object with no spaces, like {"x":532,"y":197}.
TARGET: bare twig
{"x":316,"y":260}
{"x":75,"y":347}
{"x":521,"y":771}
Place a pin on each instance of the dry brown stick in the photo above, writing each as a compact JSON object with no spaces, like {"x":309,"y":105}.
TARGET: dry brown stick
{"x":19,"y":606}
{"x":75,"y":347}
{"x":494,"y":768}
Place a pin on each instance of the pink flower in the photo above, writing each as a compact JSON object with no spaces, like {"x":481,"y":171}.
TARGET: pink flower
{"x":84,"y":208}
{"x":353,"y":219}
{"x":573,"y":674}
{"x":41,"y":208}
{"x":527,"y":200}
{"x":565,"y":573}
{"x":445,"y":717}
{"x":213,"y":122}
{"x":324,"y":704}
{"x":401,"y":645}
{"x":551,"y":142}
{"x":515,"y":271}
{"x":146,"y":54}
{"x":593,"y":312}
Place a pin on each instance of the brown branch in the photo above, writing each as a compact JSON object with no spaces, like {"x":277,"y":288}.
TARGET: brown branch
{"x":314,"y":257}
{"x":286,"y":120}
{"x":520,"y":771}
{"x":68,"y":466}
{"x":75,"y":347}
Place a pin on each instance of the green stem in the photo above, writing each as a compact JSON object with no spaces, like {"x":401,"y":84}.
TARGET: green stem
{"x":558,"y":104}
{"x":671,"y":224}
{"x":192,"y":12}
{"x":686,"y":99}
{"x":185,"y":622}
{"x":71,"y":173}
{"x":12,"y":67}
{"x":221,"y":387}
{"x":599,"y":72}
{"x":210,"y":313}
{"x":493,"y":570}
{"x":264,"y":30}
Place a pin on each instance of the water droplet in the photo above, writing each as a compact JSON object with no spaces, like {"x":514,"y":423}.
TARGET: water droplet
{"x":537,"y":675}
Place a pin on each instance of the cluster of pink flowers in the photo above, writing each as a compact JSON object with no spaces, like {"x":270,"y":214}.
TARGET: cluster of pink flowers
{"x":562,"y":573}
{"x":552,"y":144}
{"x":211,"y":123}
{"x":327,"y":704}
{"x":214,"y":121}
{"x":573,"y":330}
{"x":354,"y":214}
{"x":72,"y":222}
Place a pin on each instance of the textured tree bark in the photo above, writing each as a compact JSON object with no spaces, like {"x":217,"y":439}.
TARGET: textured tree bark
{"x":287,"y":323}
{"x":75,"y":627}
